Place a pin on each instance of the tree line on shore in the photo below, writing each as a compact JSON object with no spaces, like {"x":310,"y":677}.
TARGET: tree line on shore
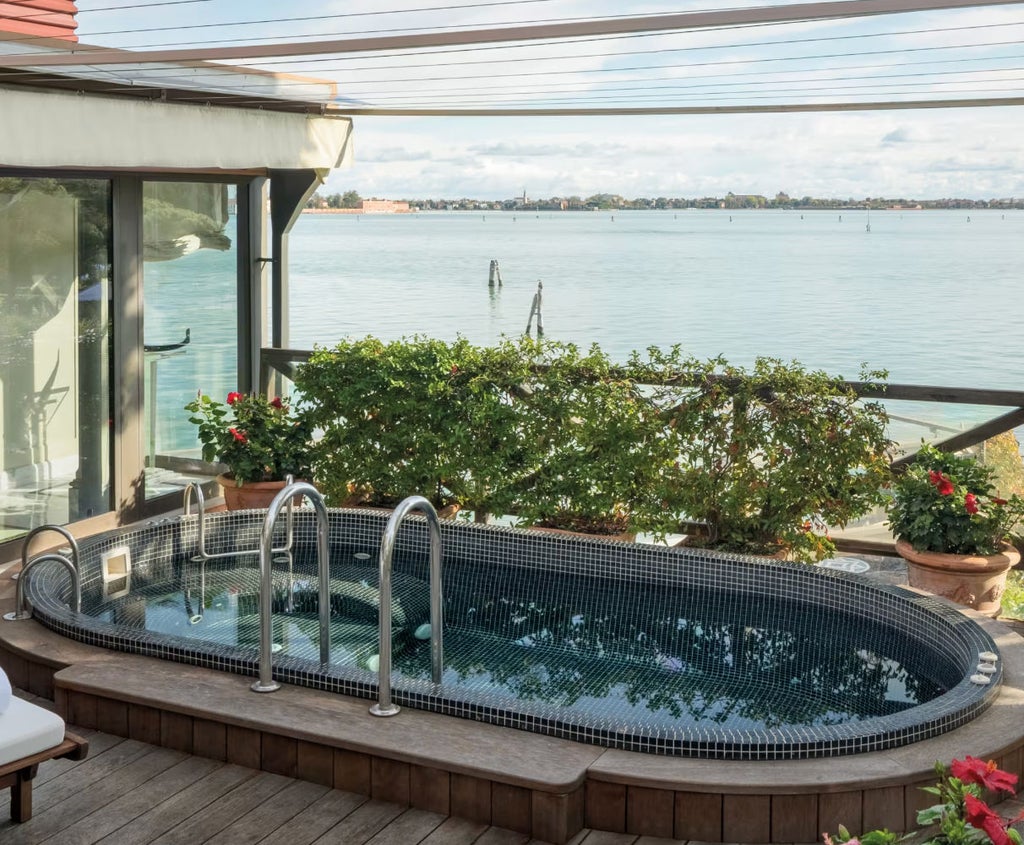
{"x":608,"y":202}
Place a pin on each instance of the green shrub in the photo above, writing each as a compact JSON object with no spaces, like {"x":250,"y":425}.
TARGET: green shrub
{"x":769,"y":457}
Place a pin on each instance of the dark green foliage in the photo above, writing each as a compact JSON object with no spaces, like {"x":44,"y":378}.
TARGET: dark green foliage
{"x":946,"y":503}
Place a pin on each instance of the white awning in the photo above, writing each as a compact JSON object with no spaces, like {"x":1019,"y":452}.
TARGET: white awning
{"x":57,"y":129}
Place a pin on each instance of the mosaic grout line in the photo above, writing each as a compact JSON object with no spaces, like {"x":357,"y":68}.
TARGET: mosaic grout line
{"x":569,"y":605}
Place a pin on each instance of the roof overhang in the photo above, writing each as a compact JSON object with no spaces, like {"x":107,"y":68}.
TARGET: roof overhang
{"x":48,"y":128}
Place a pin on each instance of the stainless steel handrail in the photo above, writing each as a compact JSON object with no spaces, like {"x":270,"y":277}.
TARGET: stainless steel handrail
{"x":20,"y":612}
{"x":266,"y":682}
{"x":59,"y":529}
{"x":194,"y":487}
{"x":384,"y":705}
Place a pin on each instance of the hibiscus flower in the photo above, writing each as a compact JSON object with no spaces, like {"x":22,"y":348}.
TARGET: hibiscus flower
{"x":971,"y":503}
{"x":973,"y":770}
{"x":979,"y":815}
{"x":942,"y":483}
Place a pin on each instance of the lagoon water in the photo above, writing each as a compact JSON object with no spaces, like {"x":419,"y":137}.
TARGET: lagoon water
{"x":934,"y":297}
{"x":928,"y":295}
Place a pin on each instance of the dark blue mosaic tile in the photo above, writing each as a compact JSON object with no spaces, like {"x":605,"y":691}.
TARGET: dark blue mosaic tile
{"x":645,"y":648}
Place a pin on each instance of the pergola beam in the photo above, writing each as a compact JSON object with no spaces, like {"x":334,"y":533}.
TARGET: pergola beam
{"x":836,"y":9}
{"x":780,"y":108}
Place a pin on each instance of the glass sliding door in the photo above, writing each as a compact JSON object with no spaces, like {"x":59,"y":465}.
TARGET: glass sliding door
{"x":190,"y":278}
{"x":55,"y":400}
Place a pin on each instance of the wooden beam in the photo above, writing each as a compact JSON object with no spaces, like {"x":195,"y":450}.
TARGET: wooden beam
{"x":971,"y":437}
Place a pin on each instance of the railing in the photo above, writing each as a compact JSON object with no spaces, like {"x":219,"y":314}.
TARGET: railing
{"x":71,"y":565}
{"x":384,"y":705}
{"x":266,"y":682}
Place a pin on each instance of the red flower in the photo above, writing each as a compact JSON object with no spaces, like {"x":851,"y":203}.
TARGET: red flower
{"x":276,"y":402}
{"x":971,"y":503}
{"x":239,"y":436}
{"x":997,"y":501}
{"x":942,"y":484}
{"x":979,"y":815}
{"x":454,"y":369}
{"x":233,"y":397}
{"x":973,"y":770}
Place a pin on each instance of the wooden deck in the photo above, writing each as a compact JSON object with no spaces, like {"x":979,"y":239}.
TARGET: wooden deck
{"x":129,"y":793}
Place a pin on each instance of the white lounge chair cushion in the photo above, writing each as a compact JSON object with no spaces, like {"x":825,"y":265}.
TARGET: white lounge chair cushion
{"x":5,"y":692}
{"x":27,"y":729}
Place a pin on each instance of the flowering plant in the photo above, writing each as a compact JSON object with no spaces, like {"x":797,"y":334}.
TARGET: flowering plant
{"x":961,"y":817}
{"x":945,"y":503}
{"x":258,"y":438}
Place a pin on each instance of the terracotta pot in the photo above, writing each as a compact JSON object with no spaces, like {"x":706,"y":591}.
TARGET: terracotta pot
{"x":975,"y":581}
{"x":252,"y":494}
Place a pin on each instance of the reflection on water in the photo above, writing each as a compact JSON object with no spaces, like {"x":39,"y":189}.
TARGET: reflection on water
{"x":606,"y":652}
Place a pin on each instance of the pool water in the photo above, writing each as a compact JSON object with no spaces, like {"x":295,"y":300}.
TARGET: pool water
{"x":686,"y":654}
{"x":627,"y":645}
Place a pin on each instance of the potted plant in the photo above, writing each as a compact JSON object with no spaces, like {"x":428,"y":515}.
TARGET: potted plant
{"x":769,"y":457}
{"x":962,"y":815}
{"x":260,"y":440}
{"x":953,"y":530}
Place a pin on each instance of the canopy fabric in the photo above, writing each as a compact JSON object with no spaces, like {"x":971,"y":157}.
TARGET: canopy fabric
{"x":58,"y":129}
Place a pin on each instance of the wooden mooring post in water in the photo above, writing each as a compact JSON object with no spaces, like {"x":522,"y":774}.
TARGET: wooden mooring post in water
{"x":535,"y":309}
{"x":495,"y":274}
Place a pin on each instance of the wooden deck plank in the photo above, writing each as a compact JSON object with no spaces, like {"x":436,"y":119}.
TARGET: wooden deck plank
{"x":500,"y":836}
{"x":270,"y":815}
{"x":362,"y":824}
{"x":319,"y":817}
{"x":98,"y":743}
{"x":92,"y":770}
{"x":603,"y":837}
{"x":455,"y":831}
{"x":187,"y":803}
{"x":136,"y":802}
{"x":80,"y":803}
{"x":225,"y":810}
{"x":411,"y":827}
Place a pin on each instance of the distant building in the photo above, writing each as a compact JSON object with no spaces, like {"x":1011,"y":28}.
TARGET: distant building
{"x":383,"y":207}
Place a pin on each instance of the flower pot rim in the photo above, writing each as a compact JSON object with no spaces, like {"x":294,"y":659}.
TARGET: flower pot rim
{"x":226,"y":479}
{"x":1008,"y":556}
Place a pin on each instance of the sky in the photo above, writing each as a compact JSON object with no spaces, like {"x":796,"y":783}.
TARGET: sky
{"x":923,"y":154}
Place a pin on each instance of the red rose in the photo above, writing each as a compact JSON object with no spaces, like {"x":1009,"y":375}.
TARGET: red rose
{"x":971,"y":503}
{"x":233,"y":397}
{"x":276,"y":402}
{"x":238,"y":435}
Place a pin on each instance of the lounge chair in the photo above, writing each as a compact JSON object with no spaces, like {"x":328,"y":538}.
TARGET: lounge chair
{"x":30,"y":735}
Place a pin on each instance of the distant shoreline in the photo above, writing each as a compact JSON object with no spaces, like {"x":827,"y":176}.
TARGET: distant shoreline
{"x":357,"y":211}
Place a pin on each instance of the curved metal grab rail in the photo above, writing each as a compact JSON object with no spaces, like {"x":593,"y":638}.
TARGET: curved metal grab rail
{"x":59,"y":529}
{"x":384,"y":705}
{"x":20,"y":611}
{"x":266,"y":682}
{"x":195,"y":488}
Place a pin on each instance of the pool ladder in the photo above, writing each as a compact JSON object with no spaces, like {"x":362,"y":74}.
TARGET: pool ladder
{"x":384,"y":705}
{"x":265,"y":550}
{"x":69,"y":562}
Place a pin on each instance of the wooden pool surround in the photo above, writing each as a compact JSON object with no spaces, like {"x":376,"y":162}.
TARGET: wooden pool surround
{"x":545,"y":787}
